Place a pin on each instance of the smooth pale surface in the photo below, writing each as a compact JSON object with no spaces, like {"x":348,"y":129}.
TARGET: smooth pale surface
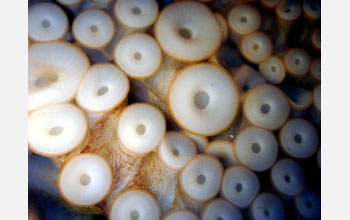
{"x":309,"y":138}
{"x":244,"y":150}
{"x":207,"y":166}
{"x":124,"y":12}
{"x":199,"y":20}
{"x":142,"y":202}
{"x":176,"y":150}
{"x":58,"y":60}
{"x":244,"y":19}
{"x":67,"y":116}
{"x":241,"y":176}
{"x":288,"y":10}
{"x":223,"y":99}
{"x":138,"y":55}
{"x":273,"y":70}
{"x":288,"y":177}
{"x":271,"y":96}
{"x":297,"y":61}
{"x":141,"y":114}
{"x":256,"y":47}
{"x":309,"y":197}
{"x":223,"y":151}
{"x":93,"y":28}
{"x":267,"y":203}
{"x":70,"y":181}
{"x":181,"y":215}
{"x":200,"y":141}
{"x":221,"y":209}
{"x":46,"y":22}
{"x":99,"y":76}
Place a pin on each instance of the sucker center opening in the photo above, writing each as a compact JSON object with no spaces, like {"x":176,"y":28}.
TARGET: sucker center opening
{"x":239,"y":187}
{"x":256,"y":46}
{"x":273,"y":69}
{"x":85,"y":179}
{"x":298,"y":139}
{"x":140,"y":129}
{"x":185,"y":33}
{"x":287,"y":178}
{"x":134,"y":215}
{"x":244,"y":19}
{"x":93,"y":28}
{"x":176,"y":152}
{"x":266,"y":213}
{"x":297,"y":61}
{"x":256,"y":148}
{"x":137,"y":56}
{"x":45,"y":23}
{"x":101,"y":91}
{"x":201,"y":100}
{"x":136,"y":10}
{"x":265,"y":109}
{"x":57,"y":130}
{"x":200,"y":179}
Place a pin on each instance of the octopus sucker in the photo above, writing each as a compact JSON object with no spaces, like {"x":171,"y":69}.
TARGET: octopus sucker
{"x":174,"y":109}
